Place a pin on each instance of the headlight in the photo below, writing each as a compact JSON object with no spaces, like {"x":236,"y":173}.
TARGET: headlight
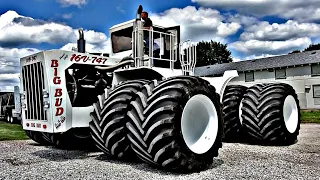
{"x":45,"y":94}
{"x":46,"y":104}
{"x":23,"y":105}
{"x":23,"y":96}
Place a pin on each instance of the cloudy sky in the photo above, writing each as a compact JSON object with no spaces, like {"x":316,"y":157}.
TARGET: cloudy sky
{"x":251,"y":28}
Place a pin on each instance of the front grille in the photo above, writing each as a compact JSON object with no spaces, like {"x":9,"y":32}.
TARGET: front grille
{"x":33,"y":85}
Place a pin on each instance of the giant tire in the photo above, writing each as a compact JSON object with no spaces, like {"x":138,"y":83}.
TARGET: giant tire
{"x":264,"y":114}
{"x":155,"y":130}
{"x":109,"y":118}
{"x":233,"y":131}
{"x":73,"y":139}
{"x":38,"y":137}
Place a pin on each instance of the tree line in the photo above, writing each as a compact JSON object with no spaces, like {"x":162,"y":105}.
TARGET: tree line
{"x":211,"y":53}
{"x":311,"y":47}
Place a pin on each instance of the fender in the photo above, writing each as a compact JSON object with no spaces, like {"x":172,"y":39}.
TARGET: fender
{"x":220,"y":83}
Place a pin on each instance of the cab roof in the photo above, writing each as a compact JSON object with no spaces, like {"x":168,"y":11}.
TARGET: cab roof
{"x":127,"y":24}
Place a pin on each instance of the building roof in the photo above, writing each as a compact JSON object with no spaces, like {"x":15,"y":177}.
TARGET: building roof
{"x":284,"y":61}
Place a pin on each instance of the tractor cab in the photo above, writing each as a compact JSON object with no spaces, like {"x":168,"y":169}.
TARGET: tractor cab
{"x":161,"y":50}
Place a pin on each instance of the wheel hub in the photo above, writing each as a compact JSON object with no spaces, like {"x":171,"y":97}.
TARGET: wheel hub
{"x":290,"y":114}
{"x":199,"y":124}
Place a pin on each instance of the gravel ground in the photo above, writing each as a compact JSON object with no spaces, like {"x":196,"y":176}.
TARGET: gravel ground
{"x":28,"y":160}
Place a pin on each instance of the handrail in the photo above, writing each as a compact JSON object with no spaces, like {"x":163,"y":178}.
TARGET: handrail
{"x":186,"y":51}
{"x":172,"y":47}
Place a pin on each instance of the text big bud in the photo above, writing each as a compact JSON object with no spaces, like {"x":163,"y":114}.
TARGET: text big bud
{"x":58,"y":91}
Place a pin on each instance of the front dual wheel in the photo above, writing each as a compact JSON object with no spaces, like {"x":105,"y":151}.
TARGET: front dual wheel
{"x":175,"y":123}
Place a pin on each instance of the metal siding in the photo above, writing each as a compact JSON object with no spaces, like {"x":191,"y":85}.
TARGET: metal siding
{"x":316,"y":101}
{"x":315,"y":70}
{"x":263,"y":75}
{"x":299,"y":71}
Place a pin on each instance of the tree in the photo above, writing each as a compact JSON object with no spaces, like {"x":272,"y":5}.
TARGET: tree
{"x":295,"y":51}
{"x":313,"y":47}
{"x":209,"y":53}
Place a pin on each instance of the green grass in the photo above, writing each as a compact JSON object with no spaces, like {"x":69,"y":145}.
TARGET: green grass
{"x":310,"y":116}
{"x":11,"y":132}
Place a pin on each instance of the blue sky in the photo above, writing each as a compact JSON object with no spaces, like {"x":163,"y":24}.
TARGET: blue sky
{"x":252,"y":29}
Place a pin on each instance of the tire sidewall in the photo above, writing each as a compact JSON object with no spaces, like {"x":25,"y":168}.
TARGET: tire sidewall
{"x":184,"y":99}
{"x":288,"y":135}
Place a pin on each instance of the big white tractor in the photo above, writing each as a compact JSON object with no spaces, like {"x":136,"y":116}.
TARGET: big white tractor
{"x":144,"y":101}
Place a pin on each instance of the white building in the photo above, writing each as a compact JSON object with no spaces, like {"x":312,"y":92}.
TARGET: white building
{"x":300,"y":70}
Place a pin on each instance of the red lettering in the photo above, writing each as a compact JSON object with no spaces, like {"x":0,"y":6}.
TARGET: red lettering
{"x":54,"y":63}
{"x":72,"y":57}
{"x":55,"y":71}
{"x":59,"y":111}
{"x":56,"y":80}
{"x":58,"y":102}
{"x":58,"y":92}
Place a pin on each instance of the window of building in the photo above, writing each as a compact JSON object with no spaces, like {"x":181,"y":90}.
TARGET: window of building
{"x":249,"y":76}
{"x":281,"y":74}
{"x":316,"y":91}
{"x":315,"y":70}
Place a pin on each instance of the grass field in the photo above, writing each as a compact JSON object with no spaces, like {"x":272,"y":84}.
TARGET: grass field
{"x":15,"y":131}
{"x":11,"y":132}
{"x":310,"y":116}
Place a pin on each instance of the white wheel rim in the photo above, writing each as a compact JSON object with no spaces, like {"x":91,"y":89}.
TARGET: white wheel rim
{"x":240,"y":111}
{"x":290,"y":114}
{"x":199,"y":124}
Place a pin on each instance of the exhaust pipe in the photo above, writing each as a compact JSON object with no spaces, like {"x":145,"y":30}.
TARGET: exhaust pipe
{"x":81,"y":42}
{"x":138,"y":45}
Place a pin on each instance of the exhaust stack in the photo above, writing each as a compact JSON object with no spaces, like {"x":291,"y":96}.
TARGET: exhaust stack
{"x":138,"y":45}
{"x":81,"y":42}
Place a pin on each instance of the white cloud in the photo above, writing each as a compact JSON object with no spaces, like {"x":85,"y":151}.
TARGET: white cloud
{"x":18,"y":53}
{"x":10,"y":66}
{"x":256,"y":47}
{"x":102,"y":48}
{"x":236,"y":59}
{"x":251,"y":57}
{"x":290,"y":29}
{"x":120,"y":9}
{"x":67,"y":16}
{"x":298,"y":9}
{"x":259,"y":56}
{"x":197,"y":24}
{"x":19,"y":30}
{"x":67,"y":3}
{"x":242,"y":19}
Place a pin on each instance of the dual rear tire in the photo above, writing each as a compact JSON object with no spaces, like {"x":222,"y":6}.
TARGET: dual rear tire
{"x":265,"y":114}
{"x":271,"y":114}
